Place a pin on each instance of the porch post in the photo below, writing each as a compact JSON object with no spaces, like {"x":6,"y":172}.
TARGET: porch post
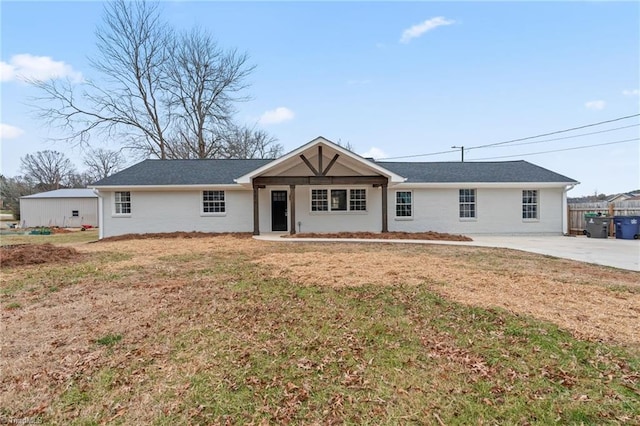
{"x":385,"y":227}
{"x":292,"y":209}
{"x":256,"y":212}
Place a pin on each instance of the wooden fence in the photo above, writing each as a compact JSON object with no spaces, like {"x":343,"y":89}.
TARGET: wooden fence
{"x":576,"y":213}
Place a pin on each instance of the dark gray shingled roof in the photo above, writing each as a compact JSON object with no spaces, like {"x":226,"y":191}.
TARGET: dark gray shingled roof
{"x":221,"y":172}
{"x":182,"y":172}
{"x":452,"y":172}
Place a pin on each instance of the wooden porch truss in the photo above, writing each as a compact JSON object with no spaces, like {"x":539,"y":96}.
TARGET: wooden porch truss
{"x":319,"y":178}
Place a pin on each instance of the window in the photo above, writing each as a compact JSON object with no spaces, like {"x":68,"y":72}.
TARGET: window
{"x":123,"y":202}
{"x":338,"y":200}
{"x":213,"y":202}
{"x":75,"y":213}
{"x":404,"y":204}
{"x":358,"y":200}
{"x":530,"y":204}
{"x":319,"y":200}
{"x":467,"y":203}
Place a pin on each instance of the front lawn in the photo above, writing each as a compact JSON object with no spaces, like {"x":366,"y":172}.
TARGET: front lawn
{"x":221,"y":330}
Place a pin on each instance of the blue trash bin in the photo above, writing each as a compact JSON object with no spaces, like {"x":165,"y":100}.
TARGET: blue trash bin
{"x":627,"y":227}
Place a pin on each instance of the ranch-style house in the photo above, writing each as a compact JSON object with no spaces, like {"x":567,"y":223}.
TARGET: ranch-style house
{"x":322,"y":187}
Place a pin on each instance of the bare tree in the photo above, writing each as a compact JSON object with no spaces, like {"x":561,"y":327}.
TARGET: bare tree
{"x":346,"y":145}
{"x":11,"y":189}
{"x":246,"y":142}
{"x":79,"y":180}
{"x":204,"y":82}
{"x":129,"y":102}
{"x":164,"y":95}
{"x":101,"y":163}
{"x":49,"y":170}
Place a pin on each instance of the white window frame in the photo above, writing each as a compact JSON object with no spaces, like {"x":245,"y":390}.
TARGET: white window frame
{"x":118,"y":202}
{"x":220,"y":202}
{"x":411,"y":204}
{"x":324,"y":206}
{"x":526,"y":195}
{"x":329,"y":210}
{"x":358,"y":202}
{"x":463,"y":201}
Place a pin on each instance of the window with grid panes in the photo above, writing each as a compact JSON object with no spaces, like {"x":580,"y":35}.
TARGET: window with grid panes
{"x":404,"y":204}
{"x":319,"y":200}
{"x":213,"y":202}
{"x":467,"y":201}
{"x":358,"y":200}
{"x":122,"y":202}
{"x":530,"y":204}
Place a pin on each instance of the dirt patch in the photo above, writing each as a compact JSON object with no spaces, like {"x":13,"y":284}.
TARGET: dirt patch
{"x":35,"y":254}
{"x":430,"y":235}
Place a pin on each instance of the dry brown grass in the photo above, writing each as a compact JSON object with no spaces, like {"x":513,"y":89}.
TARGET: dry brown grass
{"x":50,"y":341}
{"x":583,"y":298}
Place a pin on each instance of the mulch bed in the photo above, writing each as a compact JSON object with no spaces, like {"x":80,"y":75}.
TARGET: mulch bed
{"x":430,"y":235}
{"x":155,"y":236}
{"x":35,"y":254}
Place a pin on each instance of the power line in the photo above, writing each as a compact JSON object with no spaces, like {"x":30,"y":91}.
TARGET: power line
{"x":556,"y":150}
{"x":566,"y":137}
{"x":419,"y":155}
{"x":516,"y":140}
{"x":554,"y":133}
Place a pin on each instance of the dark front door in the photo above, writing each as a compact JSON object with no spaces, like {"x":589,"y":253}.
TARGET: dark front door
{"x":278,"y":210}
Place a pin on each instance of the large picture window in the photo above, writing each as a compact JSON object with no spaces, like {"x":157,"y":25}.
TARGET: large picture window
{"x":213,"y":202}
{"x":467,"y":201}
{"x":122,"y":202}
{"x":530,"y":204}
{"x":404,"y":204}
{"x":338,"y":200}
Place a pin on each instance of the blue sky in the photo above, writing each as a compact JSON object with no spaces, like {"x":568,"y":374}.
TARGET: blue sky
{"x":392,"y":79}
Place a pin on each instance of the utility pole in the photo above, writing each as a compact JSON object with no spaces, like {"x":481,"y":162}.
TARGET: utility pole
{"x":461,"y":151}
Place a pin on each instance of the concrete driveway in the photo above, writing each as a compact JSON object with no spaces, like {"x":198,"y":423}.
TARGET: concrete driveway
{"x":618,"y":253}
{"x":623,"y":254}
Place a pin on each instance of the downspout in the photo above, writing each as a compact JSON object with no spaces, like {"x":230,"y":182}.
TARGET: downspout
{"x":565,"y":209}
{"x":100,"y":215}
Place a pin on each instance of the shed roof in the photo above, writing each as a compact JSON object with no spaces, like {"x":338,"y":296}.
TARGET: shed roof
{"x":65,"y":193}
{"x":223,"y":172}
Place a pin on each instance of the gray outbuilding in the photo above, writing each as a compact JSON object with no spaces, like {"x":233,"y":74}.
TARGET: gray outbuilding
{"x":66,"y":208}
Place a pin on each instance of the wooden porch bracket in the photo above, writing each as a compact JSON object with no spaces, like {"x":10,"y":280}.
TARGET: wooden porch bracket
{"x":331,"y":163}
{"x":309,"y":165}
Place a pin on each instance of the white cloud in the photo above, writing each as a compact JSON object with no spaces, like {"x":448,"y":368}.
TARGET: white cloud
{"x":28,"y":67}
{"x":374,"y":152}
{"x":9,"y":132}
{"x":428,"y":25}
{"x":595,"y":105}
{"x":631,"y":92}
{"x":275,"y":116}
